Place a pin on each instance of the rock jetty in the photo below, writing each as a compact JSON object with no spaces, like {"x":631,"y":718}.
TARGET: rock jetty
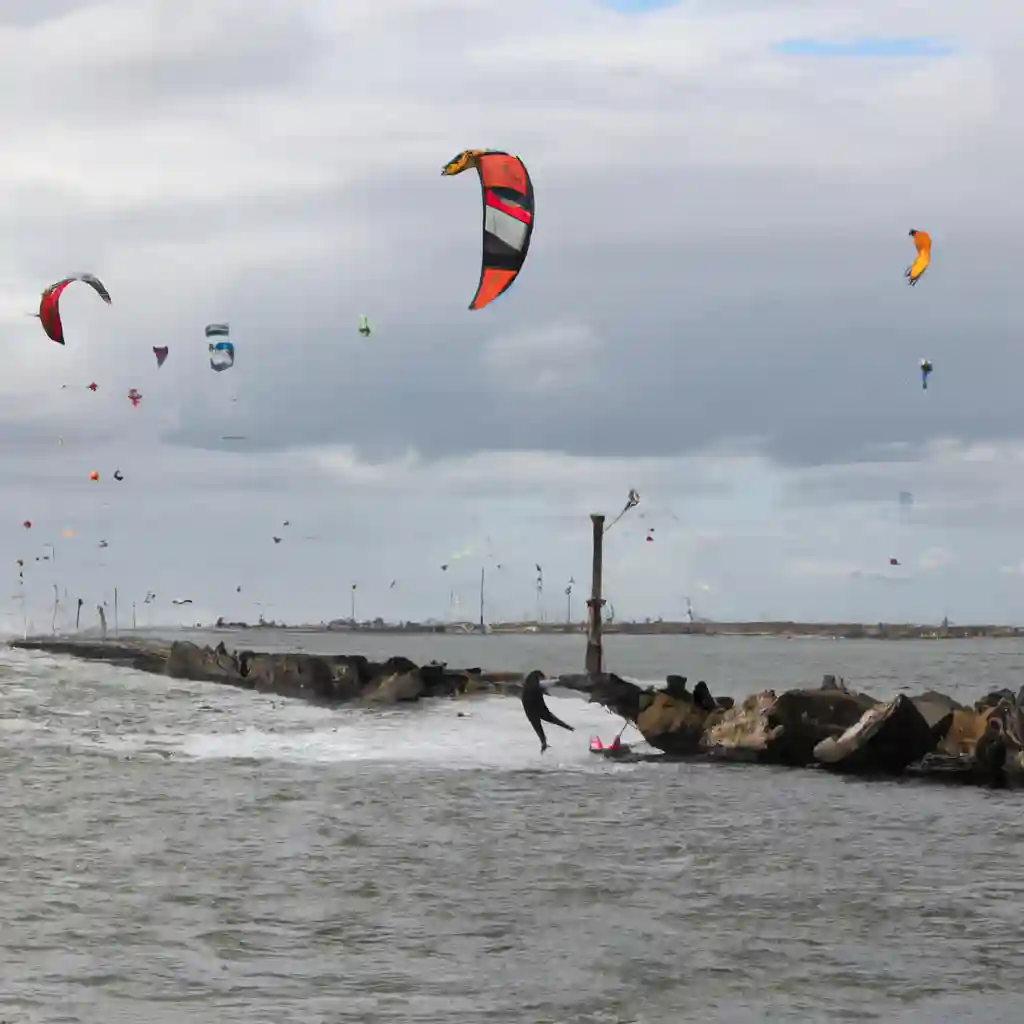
{"x":329,"y":679}
{"x":831,"y":728}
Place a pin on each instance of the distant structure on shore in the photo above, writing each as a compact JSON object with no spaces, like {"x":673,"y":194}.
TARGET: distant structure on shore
{"x":662,"y":627}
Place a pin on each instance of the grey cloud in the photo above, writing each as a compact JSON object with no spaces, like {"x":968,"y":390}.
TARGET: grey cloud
{"x":39,"y":12}
{"x":256,"y":50}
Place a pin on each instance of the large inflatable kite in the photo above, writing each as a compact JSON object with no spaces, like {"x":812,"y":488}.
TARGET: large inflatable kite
{"x":49,"y":304}
{"x":508,"y":217}
{"x":923,"y":243}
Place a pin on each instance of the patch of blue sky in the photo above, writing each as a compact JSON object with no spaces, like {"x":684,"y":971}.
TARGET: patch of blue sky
{"x":870,"y":47}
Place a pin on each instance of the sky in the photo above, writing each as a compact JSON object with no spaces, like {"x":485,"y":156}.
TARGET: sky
{"x":713,"y":310}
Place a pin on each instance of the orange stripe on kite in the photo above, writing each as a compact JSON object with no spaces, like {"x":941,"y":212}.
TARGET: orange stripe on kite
{"x":492,"y":284}
{"x":493,"y":201}
{"x":502,"y":171}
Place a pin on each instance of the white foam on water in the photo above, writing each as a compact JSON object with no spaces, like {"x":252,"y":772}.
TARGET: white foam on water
{"x":492,"y":732}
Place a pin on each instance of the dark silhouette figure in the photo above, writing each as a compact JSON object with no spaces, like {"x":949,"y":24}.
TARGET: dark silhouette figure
{"x":537,"y":710}
{"x":703,"y":699}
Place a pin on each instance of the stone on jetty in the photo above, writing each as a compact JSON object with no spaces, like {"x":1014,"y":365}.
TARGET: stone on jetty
{"x":673,"y":725}
{"x":887,"y":739}
{"x":807,"y":717}
{"x":746,"y":731}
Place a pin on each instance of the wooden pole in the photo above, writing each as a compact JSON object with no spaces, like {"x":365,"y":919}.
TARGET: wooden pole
{"x":596,"y":602}
{"x":115,"y":612}
{"x":56,"y":604}
{"x":481,"y":599}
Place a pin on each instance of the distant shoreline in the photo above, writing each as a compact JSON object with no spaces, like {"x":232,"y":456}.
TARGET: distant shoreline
{"x":783,"y":630}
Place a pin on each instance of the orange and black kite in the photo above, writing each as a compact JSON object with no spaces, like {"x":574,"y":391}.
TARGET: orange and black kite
{"x":49,"y":304}
{"x":508,"y":217}
{"x":923,"y":243}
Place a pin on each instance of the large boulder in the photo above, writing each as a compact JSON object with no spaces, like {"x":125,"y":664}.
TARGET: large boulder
{"x":307,"y":677}
{"x":887,"y":739}
{"x":437,"y":680}
{"x":807,"y":717}
{"x":673,"y":725}
{"x":994,"y":699}
{"x":935,"y":706}
{"x":187,"y":660}
{"x":744,"y":732}
{"x":396,"y":688}
{"x":966,"y":727}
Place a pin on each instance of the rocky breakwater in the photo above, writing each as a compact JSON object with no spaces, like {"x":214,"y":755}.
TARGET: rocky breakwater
{"x":831,"y":728}
{"x":317,"y":678}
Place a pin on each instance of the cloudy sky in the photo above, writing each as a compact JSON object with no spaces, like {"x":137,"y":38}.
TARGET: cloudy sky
{"x":713,"y":310}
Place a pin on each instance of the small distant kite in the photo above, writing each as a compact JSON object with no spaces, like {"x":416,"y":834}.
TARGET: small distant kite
{"x":94,"y":475}
{"x":161,"y":352}
{"x":894,"y":561}
{"x":364,"y":326}
{"x":923,"y":244}
{"x":180,"y":600}
{"x":277,"y":540}
{"x":103,"y":544}
{"x":134,"y":397}
{"x":926,"y":372}
{"x":27,"y":524}
{"x":49,"y":304}
{"x":222,"y":353}
{"x":118,"y":475}
{"x":93,"y":386}
{"x":507,"y":193}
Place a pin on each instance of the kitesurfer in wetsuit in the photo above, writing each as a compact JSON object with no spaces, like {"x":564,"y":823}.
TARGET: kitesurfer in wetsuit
{"x":537,"y":710}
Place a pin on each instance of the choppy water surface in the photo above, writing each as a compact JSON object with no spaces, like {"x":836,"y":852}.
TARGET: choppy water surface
{"x":181,"y":852}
